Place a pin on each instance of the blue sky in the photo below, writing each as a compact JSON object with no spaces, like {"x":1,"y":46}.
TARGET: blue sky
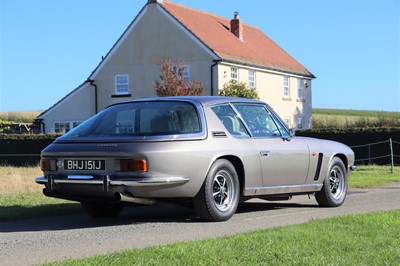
{"x":48,"y":48}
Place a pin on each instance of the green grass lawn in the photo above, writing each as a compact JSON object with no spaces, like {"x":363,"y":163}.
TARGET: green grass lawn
{"x":373,"y":176}
{"x":32,"y":204}
{"x":367,"y":239}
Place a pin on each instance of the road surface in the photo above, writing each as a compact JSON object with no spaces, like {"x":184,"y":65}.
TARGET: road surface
{"x":34,"y":241}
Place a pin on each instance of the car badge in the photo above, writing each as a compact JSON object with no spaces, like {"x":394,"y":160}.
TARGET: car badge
{"x":60,"y":164}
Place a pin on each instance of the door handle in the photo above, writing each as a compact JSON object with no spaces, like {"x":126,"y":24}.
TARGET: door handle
{"x":265,"y":153}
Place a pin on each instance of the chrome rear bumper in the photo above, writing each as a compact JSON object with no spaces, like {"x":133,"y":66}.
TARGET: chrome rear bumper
{"x":110,"y":182}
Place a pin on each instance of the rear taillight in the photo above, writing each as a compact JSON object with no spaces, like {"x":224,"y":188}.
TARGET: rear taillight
{"x":48,"y":165}
{"x":133,"y":165}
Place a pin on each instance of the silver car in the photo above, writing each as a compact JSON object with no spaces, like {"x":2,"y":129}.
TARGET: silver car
{"x":210,"y":151}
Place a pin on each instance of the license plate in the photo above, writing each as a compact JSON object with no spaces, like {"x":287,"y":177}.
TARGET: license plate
{"x":86,"y":165}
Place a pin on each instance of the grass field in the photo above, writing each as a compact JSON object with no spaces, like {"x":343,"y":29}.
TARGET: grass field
{"x":20,"y":117}
{"x":357,"y":113}
{"x":21,"y":197}
{"x":367,"y":239}
{"x":336,"y":118}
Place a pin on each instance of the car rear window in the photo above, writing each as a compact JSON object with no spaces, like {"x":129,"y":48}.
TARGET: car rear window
{"x":140,"y":119}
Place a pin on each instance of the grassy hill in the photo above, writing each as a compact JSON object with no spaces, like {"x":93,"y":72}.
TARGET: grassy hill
{"x":339,"y":118}
{"x":20,"y":116}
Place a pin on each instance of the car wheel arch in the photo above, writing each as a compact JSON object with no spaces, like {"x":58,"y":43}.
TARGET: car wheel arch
{"x":343,"y":158}
{"x":239,"y":167}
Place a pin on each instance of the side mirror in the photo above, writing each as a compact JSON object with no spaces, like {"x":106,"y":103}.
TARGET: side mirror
{"x":290,"y":136}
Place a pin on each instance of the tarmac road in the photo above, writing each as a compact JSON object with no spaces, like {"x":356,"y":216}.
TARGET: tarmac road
{"x":34,"y":241}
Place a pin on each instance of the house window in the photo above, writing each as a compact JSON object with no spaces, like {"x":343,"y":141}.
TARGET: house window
{"x":62,"y":127}
{"x":286,"y":89}
{"x":300,"y":122}
{"x":186,"y":73}
{"x":121,"y":84}
{"x":65,"y":126}
{"x":234,"y":74}
{"x":300,"y":89}
{"x":75,"y":124}
{"x":252,"y":79}
{"x":286,"y":119}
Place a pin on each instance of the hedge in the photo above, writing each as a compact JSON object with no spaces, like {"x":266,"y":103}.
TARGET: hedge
{"x":356,"y":137}
{"x":23,"y":149}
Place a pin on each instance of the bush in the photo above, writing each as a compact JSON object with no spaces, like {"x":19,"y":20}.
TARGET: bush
{"x":235,"y":89}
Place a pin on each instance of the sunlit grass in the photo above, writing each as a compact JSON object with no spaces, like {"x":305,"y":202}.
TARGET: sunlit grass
{"x":369,"y":176}
{"x":21,"y":197}
{"x":19,"y":179}
{"x":367,"y":239}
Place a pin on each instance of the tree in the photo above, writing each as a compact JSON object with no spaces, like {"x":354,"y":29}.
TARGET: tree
{"x":173,"y":83}
{"x":235,"y":89}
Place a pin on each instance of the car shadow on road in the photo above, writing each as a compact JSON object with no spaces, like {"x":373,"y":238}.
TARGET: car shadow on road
{"x":131,"y":216}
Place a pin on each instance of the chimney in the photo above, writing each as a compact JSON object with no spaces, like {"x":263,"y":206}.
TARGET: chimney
{"x":237,"y":26}
{"x":154,"y":1}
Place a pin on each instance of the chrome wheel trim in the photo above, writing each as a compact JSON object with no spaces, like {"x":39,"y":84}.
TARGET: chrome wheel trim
{"x":337,"y":182}
{"x":223,"y":190}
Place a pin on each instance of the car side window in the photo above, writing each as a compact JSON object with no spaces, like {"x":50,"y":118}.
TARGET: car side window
{"x":229,"y":118}
{"x":258,"y":120}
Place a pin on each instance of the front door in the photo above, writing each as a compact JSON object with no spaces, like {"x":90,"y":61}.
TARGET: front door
{"x":284,"y":161}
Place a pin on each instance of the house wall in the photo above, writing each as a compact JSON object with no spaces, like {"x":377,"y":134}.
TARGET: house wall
{"x":76,"y":107}
{"x":154,"y":38}
{"x":270,"y":89}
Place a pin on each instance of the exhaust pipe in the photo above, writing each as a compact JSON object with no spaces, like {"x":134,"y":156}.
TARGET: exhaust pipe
{"x":128,"y":198}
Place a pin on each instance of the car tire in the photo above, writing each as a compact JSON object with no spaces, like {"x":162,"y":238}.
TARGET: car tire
{"x":218,"y":198}
{"x":334,"y":189}
{"x":102,"y":210}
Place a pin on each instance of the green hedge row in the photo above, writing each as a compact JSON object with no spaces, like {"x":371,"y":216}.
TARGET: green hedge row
{"x":359,"y":138}
{"x":353,"y":136}
{"x":23,"y":149}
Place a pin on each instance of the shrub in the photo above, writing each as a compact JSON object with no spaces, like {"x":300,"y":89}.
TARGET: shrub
{"x":236,"y":89}
{"x":173,"y":83}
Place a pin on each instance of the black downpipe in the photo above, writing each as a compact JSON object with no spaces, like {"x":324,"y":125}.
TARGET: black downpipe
{"x":95,"y":94}
{"x":212,"y":75}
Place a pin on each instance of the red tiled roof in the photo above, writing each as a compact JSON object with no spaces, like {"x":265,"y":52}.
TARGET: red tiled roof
{"x":257,"y":49}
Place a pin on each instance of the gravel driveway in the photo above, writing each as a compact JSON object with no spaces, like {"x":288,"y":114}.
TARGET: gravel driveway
{"x":34,"y":241}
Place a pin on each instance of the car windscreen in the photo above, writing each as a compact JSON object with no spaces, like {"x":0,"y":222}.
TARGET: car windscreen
{"x":142,"y":119}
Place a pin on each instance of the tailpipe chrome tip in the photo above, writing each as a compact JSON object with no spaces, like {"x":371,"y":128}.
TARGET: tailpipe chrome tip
{"x":124,"y":197}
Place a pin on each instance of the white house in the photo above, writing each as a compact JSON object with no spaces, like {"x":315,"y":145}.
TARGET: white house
{"x":215,"y":50}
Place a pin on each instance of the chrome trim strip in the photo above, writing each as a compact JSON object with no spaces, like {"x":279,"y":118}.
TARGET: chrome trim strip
{"x":150,"y":182}
{"x":129,"y":183}
{"x":85,"y":177}
{"x":252,"y":191}
{"x":41,"y":180}
{"x":77,"y":181}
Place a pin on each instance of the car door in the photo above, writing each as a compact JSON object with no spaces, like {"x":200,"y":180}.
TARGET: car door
{"x":284,"y":161}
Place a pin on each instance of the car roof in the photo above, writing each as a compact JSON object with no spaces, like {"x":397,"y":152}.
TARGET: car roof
{"x":203,"y":100}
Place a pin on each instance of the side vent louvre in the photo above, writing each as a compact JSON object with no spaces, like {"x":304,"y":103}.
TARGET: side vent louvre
{"x":219,"y":134}
{"x":319,"y":164}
